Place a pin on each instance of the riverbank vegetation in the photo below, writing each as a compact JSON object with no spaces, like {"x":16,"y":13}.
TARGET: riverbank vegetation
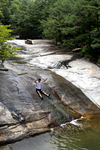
{"x":6,"y":50}
{"x":70,"y":23}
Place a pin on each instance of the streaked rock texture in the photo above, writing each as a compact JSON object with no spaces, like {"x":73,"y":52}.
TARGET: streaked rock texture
{"x":22,"y":112}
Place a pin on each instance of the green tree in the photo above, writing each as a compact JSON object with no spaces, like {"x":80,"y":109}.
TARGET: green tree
{"x":26,"y":17}
{"x":6,"y":50}
{"x":55,"y":26}
{"x":4,"y":4}
{"x":72,"y":21}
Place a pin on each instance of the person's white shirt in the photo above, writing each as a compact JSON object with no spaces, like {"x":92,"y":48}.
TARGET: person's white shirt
{"x":38,"y":84}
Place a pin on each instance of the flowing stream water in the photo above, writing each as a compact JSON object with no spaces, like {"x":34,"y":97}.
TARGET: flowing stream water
{"x":83,"y":134}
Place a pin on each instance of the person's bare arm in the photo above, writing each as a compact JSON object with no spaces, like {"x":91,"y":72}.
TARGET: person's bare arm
{"x":36,"y":80}
{"x":44,"y":80}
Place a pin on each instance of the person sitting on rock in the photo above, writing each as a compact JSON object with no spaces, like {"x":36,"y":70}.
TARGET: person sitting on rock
{"x":38,"y":88}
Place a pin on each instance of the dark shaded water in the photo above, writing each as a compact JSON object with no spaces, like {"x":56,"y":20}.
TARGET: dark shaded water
{"x":85,"y":135}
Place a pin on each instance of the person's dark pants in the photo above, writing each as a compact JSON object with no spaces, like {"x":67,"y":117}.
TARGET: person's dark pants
{"x":39,"y":91}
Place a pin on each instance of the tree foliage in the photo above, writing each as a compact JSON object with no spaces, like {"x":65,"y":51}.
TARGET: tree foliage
{"x":72,"y":23}
{"x":6,"y":50}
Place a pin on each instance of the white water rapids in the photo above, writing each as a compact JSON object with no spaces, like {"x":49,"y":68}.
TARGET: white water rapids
{"x":82,"y":73}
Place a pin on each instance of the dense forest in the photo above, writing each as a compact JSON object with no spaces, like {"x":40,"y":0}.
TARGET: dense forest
{"x":70,"y":23}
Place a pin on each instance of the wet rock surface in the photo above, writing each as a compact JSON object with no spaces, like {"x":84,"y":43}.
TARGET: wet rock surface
{"x":22,"y":112}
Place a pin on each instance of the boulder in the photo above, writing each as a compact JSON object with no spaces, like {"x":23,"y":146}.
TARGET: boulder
{"x":28,"y":41}
{"x":76,"y":50}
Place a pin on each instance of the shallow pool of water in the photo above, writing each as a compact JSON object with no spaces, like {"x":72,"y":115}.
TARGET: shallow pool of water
{"x":84,"y":136}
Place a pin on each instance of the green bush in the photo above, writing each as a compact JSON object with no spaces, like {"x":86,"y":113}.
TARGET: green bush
{"x":99,"y":60}
{"x":6,"y":51}
{"x":90,"y":51}
{"x":86,"y":51}
{"x":95,"y":38}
